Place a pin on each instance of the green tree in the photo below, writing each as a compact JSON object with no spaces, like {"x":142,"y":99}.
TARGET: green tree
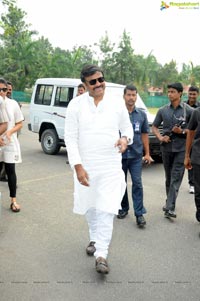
{"x":147,"y":71}
{"x":185,"y":74}
{"x":124,"y":64}
{"x":79,"y":56}
{"x":105,"y":56}
{"x":25,"y":58}
{"x":167,"y":74}
{"x":43,"y":51}
{"x":16,"y":41}
{"x":196,"y":76}
{"x":190,"y":74}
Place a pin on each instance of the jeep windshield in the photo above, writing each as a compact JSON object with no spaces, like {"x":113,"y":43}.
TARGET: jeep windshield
{"x":118,"y":91}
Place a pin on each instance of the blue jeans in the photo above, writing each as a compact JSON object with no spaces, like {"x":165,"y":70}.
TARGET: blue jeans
{"x":134,"y":166}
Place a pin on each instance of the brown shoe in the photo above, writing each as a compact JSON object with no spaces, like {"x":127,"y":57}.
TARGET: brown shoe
{"x":102,"y":265}
{"x":91,"y":248}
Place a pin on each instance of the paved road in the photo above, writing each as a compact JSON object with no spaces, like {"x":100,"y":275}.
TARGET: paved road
{"x":42,"y":248}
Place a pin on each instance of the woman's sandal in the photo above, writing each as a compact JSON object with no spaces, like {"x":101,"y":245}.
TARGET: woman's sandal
{"x":13,"y":207}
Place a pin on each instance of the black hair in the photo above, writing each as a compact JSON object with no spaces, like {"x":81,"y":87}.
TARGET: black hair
{"x":89,"y":70}
{"x":176,"y":86}
{"x":81,"y":86}
{"x":130,"y":87}
{"x":9,"y":83}
{"x":3,"y":81}
{"x":193,"y":88}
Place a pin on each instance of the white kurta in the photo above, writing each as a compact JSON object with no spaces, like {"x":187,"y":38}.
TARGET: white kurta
{"x":90,"y":135}
{"x":11,"y":153}
{"x":3,"y":112}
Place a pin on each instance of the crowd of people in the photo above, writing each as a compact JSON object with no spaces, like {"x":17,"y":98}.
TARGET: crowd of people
{"x":105,"y":139}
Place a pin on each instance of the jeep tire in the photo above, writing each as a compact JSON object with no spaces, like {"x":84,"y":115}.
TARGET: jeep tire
{"x":50,"y":142}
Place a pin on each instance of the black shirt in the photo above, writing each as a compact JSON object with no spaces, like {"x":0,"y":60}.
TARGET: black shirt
{"x":194,"y":125}
{"x":169,"y":117}
{"x":195,"y":105}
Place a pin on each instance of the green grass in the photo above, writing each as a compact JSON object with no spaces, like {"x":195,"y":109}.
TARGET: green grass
{"x":153,"y":110}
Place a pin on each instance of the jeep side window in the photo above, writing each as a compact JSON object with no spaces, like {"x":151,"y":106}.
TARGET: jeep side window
{"x":63,"y":96}
{"x":43,"y":95}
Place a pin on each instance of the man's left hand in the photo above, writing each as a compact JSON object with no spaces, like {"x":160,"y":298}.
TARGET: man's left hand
{"x":147,"y":159}
{"x":122,"y":144}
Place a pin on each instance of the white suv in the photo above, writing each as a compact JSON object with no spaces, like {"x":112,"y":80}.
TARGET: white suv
{"x":49,"y":101}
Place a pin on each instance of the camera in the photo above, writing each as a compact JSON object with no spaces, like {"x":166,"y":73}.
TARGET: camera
{"x":181,"y":124}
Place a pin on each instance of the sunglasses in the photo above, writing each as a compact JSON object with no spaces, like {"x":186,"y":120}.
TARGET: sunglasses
{"x":3,"y":89}
{"x":93,"y":82}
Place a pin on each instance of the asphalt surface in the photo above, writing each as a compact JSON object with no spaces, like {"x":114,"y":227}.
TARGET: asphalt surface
{"x":42,"y":248}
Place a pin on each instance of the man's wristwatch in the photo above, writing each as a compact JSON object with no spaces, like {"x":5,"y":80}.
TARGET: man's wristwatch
{"x":183,"y":132}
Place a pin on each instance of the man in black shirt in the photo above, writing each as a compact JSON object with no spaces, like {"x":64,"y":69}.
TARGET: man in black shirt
{"x":174,"y":117}
{"x":192,"y":159}
{"x":193,"y":94}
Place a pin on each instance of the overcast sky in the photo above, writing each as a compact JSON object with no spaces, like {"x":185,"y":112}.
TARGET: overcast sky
{"x":171,"y":33}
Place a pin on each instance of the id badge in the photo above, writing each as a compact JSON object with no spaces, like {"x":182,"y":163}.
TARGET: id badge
{"x":136,"y":126}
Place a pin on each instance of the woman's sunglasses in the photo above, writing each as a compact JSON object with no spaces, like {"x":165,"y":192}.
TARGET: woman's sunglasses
{"x":3,"y":89}
{"x":93,"y":82}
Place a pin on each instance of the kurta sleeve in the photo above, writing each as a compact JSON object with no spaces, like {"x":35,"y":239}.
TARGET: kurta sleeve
{"x":72,"y":133}
{"x":125,"y":125}
{"x":18,"y":116}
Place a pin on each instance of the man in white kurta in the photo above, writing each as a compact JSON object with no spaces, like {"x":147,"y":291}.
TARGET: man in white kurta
{"x":94,"y":123}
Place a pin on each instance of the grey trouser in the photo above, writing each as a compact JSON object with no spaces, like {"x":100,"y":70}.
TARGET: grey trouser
{"x":190,"y":177}
{"x":196,"y":171}
{"x":174,"y":170}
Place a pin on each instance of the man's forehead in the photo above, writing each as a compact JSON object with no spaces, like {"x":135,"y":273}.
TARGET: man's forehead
{"x":172,"y":89}
{"x":128,"y":91}
{"x":96,"y":74}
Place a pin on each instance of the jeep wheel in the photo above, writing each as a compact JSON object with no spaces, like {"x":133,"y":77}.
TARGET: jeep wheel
{"x":50,"y":142}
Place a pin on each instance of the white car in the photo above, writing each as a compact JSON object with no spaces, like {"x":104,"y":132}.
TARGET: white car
{"x":49,"y":101}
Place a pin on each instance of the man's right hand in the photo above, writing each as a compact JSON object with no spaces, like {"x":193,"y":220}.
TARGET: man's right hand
{"x":187,"y":163}
{"x":2,"y":142}
{"x":82,"y":175}
{"x":165,"y":139}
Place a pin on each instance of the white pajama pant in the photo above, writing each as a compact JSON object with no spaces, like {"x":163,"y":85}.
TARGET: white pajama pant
{"x":100,"y":225}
